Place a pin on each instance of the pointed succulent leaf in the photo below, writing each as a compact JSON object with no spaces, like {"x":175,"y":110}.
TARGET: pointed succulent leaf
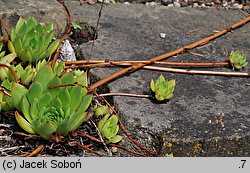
{"x":52,"y":47}
{"x":101,"y":110}
{"x":23,"y":123}
{"x":6,"y":84}
{"x":81,"y":79}
{"x":2,"y":54}
{"x":28,"y":79}
{"x":67,"y":78}
{"x":114,"y":139}
{"x":44,"y":75}
{"x":35,"y":91}
{"x":113,"y":120}
{"x":159,"y":97}
{"x":11,"y":47}
{"x":109,"y":131}
{"x":8,"y":58}
{"x":18,"y":47}
{"x":46,"y":129}
{"x":169,"y":96}
{"x":44,"y":100}
{"x":78,"y":121}
{"x":34,"y":108}
{"x":59,"y":68}
{"x":64,"y":126}
{"x":83,"y":106}
{"x":76,"y":97}
{"x":17,"y":91}
{"x":152,"y":85}
{"x":25,"y":107}
{"x":101,"y":123}
{"x":52,"y":82}
{"x":20,"y":22}
{"x":64,"y":97}
{"x":48,"y":39}
{"x":56,"y":102}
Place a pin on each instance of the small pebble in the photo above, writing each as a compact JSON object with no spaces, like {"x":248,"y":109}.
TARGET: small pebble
{"x":170,"y":5}
{"x":195,"y":5}
{"x":163,"y":35}
{"x":126,"y":3}
{"x":177,"y":4}
{"x":203,"y":5}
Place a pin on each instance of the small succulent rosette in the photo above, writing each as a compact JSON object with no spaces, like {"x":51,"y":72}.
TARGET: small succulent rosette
{"x":163,"y":89}
{"x":238,"y":60}
{"x":109,"y":128}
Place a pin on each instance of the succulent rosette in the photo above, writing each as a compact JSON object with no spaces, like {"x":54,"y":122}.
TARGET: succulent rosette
{"x":109,"y":128}
{"x":238,"y":60}
{"x":32,"y":41}
{"x":47,"y":111}
{"x":163,"y":88}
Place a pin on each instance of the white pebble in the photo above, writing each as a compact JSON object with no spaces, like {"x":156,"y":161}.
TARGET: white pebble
{"x":163,"y":35}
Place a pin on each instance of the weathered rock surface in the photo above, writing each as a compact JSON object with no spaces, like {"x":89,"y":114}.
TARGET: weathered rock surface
{"x":44,"y":11}
{"x":209,"y":115}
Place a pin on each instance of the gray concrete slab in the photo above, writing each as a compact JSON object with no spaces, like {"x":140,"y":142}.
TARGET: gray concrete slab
{"x":44,"y":11}
{"x":209,"y":115}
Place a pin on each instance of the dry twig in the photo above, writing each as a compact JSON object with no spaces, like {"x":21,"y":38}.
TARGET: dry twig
{"x":164,"y":56}
{"x":36,"y":151}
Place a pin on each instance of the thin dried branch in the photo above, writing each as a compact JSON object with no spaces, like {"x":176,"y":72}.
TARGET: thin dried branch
{"x":174,"y":70}
{"x":94,"y":63}
{"x":100,"y":137}
{"x":5,"y":92}
{"x":4,"y":40}
{"x":4,"y":26}
{"x":167,"y":55}
{"x":64,"y":34}
{"x":125,"y":94}
{"x":36,"y":151}
{"x":113,"y":145}
{"x":88,"y":149}
{"x":96,"y":30}
{"x":11,"y":70}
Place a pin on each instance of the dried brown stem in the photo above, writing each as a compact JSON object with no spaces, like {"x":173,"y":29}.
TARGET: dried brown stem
{"x":64,"y":34}
{"x":88,"y":149}
{"x":164,"y":56}
{"x":4,"y":40}
{"x":174,"y":70}
{"x":5,"y":92}
{"x":96,"y":30}
{"x":113,"y":145}
{"x":125,"y":94}
{"x":36,"y":151}
{"x":11,"y":70}
{"x":83,"y":63}
{"x":4,"y":26}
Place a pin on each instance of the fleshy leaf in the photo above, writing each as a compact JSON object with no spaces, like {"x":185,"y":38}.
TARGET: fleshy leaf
{"x":23,"y":123}
{"x":17,"y":91}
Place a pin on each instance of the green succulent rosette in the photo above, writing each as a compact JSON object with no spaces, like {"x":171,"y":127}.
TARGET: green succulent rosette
{"x":238,"y":60}
{"x":109,"y":128}
{"x":32,"y":41}
{"x":47,"y":111}
{"x":163,"y":89}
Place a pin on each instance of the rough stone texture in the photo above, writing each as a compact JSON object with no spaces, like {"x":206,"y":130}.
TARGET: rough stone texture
{"x":43,"y":11}
{"x":209,"y":115}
